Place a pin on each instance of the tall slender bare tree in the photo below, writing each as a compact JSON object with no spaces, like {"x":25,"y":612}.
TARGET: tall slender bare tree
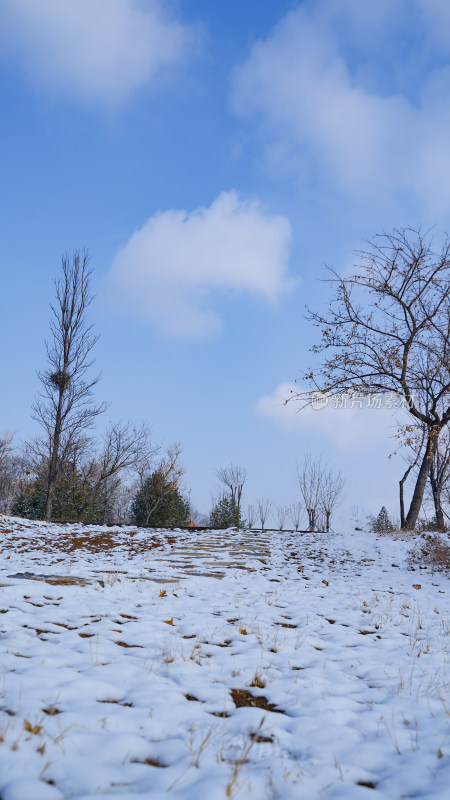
{"x":64,"y":406}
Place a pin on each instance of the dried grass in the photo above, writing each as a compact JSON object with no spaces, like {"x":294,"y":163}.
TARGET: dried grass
{"x":433,"y":553}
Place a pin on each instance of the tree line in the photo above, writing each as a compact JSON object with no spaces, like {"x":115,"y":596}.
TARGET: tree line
{"x":68,"y":474}
{"x":386,"y":330}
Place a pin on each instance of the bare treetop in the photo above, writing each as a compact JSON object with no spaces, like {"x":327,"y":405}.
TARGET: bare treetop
{"x":234,"y":479}
{"x":388,"y":325}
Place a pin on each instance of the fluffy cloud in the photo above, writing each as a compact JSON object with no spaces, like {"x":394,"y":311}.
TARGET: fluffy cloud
{"x":169,"y":268}
{"x":99,"y":50}
{"x":327,"y":100}
{"x":349,"y":429}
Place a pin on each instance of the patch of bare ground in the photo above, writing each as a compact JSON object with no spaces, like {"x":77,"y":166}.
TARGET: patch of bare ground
{"x":73,"y":537}
{"x":53,"y":580}
{"x":242,"y":698}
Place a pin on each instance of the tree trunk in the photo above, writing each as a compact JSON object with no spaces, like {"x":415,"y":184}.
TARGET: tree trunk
{"x":419,"y":489}
{"x":436,"y":488}
{"x":401,"y":484}
{"x":402,"y":503}
{"x":53,"y":465}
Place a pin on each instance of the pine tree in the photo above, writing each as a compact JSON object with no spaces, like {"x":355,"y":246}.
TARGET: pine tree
{"x":159,"y":503}
{"x":226,"y":514}
{"x":382,"y":522}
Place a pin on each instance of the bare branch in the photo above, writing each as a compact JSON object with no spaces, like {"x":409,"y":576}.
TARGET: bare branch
{"x":234,"y":479}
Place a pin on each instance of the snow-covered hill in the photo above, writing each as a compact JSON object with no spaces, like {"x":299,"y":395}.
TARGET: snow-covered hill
{"x":172,"y":664}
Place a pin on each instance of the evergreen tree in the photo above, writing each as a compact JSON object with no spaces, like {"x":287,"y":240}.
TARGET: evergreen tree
{"x":382,"y":522}
{"x":159,"y":503}
{"x":30,"y":500}
{"x":226,"y":514}
{"x":69,"y":495}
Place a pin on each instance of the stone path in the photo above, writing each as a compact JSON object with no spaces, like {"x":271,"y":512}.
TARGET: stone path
{"x":211,"y":553}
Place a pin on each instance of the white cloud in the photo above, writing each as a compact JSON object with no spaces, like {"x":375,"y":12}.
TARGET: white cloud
{"x":99,"y":50}
{"x":349,"y":429}
{"x":169,"y":268}
{"x":320,"y":106}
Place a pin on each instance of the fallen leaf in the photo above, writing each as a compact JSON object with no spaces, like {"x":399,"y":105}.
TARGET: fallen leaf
{"x":32,"y":728}
{"x":417,"y":585}
{"x":169,"y":621}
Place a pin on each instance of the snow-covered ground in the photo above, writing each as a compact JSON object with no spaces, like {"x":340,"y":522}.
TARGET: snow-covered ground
{"x":128,"y":658}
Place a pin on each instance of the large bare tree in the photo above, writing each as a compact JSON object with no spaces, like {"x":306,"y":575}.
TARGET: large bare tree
{"x":387,"y":330}
{"x":64,"y":406}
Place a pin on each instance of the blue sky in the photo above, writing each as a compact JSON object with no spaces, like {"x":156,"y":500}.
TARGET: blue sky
{"x":213,"y":156}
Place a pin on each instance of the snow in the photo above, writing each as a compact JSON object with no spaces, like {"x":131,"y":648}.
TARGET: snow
{"x":119,"y":649}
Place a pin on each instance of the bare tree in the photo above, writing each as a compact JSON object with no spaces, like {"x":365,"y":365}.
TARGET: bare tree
{"x":282,"y":512}
{"x":64,"y":406}
{"x":388,"y":330}
{"x":296,"y":514}
{"x":99,"y":476}
{"x":234,"y":479}
{"x":310,"y":480}
{"x":331,"y":494}
{"x":251,"y":516}
{"x":264,"y":507}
